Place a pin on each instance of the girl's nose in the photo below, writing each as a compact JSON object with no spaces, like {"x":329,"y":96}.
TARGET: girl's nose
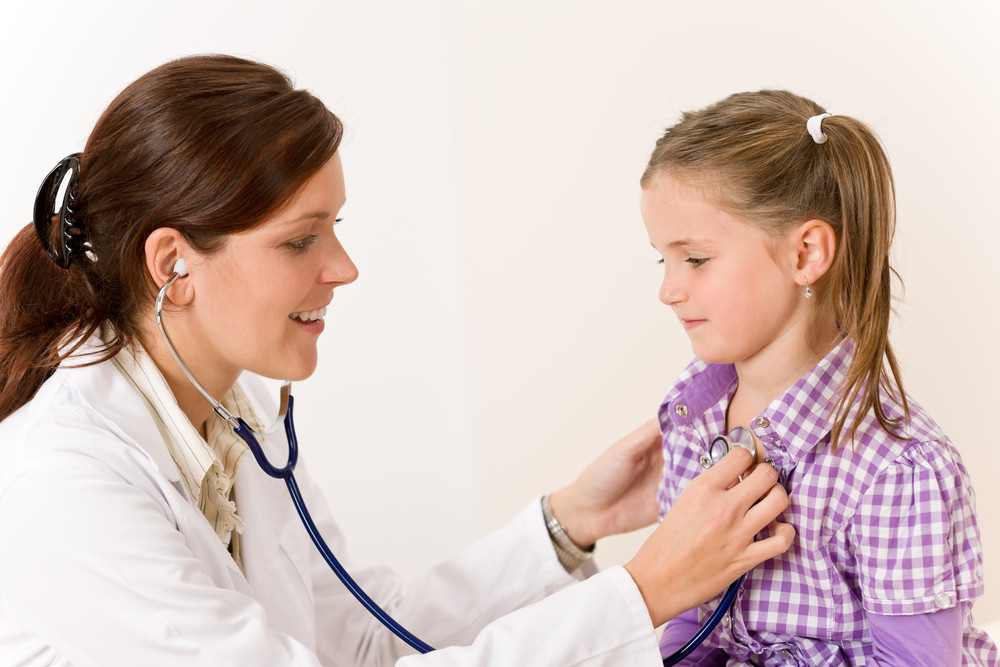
{"x":671,"y":291}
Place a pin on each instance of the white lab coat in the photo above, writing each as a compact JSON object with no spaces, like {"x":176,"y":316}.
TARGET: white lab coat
{"x":105,"y":561}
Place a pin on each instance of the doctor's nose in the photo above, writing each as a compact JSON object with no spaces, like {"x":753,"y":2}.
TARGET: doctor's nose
{"x":339,"y":267}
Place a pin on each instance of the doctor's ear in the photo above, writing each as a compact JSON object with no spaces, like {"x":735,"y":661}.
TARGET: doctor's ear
{"x":165,"y":250}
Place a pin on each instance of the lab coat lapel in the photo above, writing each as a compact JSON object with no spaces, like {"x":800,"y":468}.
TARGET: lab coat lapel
{"x":112,"y":396}
{"x":275,"y":547}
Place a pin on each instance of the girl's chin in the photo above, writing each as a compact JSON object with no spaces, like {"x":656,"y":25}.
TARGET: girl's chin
{"x":713,"y":356}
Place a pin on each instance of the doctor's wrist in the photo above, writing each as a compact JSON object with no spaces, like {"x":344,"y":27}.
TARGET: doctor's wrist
{"x":569,"y":553}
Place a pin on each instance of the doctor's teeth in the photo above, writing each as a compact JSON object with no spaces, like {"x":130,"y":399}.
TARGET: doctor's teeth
{"x":309,"y":315}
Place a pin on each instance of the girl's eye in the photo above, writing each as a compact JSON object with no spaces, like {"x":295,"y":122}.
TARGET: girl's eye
{"x":299,"y":245}
{"x":696,"y":261}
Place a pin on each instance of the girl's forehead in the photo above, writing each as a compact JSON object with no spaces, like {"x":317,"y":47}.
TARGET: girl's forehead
{"x":679,"y":214}
{"x":677,"y":203}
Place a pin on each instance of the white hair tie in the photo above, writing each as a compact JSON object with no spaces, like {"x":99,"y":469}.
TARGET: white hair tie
{"x":815,"y":127}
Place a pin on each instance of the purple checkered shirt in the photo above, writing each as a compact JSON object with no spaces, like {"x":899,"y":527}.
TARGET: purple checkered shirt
{"x":886,"y":526}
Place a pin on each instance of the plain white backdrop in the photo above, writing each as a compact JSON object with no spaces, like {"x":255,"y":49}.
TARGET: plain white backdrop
{"x":505,"y":328}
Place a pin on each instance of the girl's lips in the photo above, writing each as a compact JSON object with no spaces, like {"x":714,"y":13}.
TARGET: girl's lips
{"x":691,"y":324}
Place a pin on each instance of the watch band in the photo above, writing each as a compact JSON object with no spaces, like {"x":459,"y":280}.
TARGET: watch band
{"x":569,"y":554}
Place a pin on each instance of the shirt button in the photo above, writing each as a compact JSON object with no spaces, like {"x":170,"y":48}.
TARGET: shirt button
{"x":762,"y":422}
{"x":681,"y":410}
{"x":726,"y":621}
{"x":706,"y":461}
{"x":943,"y":601}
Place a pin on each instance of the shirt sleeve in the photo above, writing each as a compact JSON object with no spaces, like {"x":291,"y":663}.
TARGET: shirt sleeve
{"x":915,"y":535}
{"x":921,"y":640}
{"x":601,"y":622}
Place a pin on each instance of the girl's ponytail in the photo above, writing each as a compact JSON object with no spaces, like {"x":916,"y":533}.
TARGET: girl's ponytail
{"x":859,"y":283}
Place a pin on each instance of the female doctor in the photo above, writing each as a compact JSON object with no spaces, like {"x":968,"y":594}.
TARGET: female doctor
{"x":137,"y":531}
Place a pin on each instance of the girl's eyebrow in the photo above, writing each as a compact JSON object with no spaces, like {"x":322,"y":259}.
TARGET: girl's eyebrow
{"x":686,"y":243}
{"x":683,"y":243}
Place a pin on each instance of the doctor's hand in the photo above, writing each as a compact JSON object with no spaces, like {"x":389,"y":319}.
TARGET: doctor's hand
{"x":617,"y":492}
{"x":706,"y":540}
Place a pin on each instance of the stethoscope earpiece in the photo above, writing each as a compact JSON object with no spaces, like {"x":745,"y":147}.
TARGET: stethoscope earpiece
{"x":180,"y":268}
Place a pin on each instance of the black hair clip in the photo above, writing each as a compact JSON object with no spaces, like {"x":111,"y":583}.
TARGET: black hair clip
{"x":72,"y":240}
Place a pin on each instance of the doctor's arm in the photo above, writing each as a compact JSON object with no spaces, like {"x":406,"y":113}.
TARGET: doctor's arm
{"x":506,"y":600}
{"x":704,"y":543}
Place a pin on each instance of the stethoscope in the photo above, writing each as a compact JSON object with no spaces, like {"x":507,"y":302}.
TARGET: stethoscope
{"x":719,"y":448}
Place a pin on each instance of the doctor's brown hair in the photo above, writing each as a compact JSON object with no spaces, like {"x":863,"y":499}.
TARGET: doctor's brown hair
{"x":753,"y":154}
{"x":208,"y":145}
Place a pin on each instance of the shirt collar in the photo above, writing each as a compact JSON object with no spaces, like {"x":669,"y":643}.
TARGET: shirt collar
{"x":193,"y":455}
{"x":797,"y":421}
{"x":801,"y":418}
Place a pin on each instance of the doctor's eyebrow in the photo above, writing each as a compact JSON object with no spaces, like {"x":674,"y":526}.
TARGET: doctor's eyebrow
{"x":312,"y":215}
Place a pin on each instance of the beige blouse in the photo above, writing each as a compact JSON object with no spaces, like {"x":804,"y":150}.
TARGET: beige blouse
{"x":208,"y":466}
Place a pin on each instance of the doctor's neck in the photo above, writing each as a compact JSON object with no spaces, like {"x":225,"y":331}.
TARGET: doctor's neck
{"x":198,"y":410}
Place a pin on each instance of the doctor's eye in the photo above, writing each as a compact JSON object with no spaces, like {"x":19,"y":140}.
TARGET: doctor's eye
{"x":696,"y":261}
{"x":302,"y":244}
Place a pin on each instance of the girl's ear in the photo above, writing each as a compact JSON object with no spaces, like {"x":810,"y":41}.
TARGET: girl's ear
{"x":164,"y":247}
{"x":814,"y":243}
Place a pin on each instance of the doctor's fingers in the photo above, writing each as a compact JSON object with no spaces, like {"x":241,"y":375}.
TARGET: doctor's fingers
{"x":756,"y":485}
{"x":726,"y":473}
{"x":765,"y":510}
{"x":778,"y":542}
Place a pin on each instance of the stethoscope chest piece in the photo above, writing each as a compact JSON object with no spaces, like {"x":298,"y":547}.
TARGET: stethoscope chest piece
{"x":723,"y":444}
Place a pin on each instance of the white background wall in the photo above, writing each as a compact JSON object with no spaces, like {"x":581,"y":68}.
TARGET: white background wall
{"x":505,"y":328}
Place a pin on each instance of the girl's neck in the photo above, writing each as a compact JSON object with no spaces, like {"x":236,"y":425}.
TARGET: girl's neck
{"x":771,"y":373}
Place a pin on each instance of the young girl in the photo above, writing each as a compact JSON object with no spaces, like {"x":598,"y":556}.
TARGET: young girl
{"x":774,"y":221}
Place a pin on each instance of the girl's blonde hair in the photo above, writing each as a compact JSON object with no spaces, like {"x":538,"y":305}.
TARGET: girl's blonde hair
{"x":761,"y":164}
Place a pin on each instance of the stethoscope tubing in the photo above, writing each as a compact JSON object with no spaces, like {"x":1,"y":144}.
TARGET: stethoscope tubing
{"x":286,"y":473}
{"x":709,"y":626}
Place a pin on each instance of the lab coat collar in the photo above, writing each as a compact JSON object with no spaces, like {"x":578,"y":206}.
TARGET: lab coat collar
{"x":113,"y":397}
